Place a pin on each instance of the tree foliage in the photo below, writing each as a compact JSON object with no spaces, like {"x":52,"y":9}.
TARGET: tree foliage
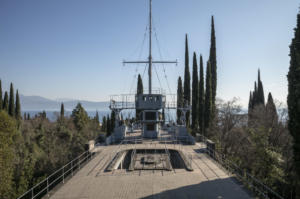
{"x":294,"y":95}
{"x":7,"y":133}
{"x":201,"y":97}
{"x":1,"y":99}
{"x":62,"y":111}
{"x":80,"y":117}
{"x":140,"y":90}
{"x":208,"y":98}
{"x":140,"y":87}
{"x":187,"y":80}
{"x":18,"y":107}
{"x":5,"y":102}
{"x":213,"y":63}
{"x":195,"y":92}
{"x":180,"y":99}
{"x":11,"y":106}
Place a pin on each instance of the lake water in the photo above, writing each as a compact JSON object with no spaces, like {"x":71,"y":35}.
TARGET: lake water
{"x":52,"y":115}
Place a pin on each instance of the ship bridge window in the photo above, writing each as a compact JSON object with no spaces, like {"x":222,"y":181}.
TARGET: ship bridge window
{"x":144,"y":98}
{"x":150,"y":98}
{"x":150,"y":115}
{"x":150,"y":127}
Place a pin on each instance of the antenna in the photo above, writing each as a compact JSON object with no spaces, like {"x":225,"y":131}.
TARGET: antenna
{"x":150,"y":61}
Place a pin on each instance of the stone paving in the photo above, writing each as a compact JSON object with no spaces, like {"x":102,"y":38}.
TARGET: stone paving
{"x":207,"y":180}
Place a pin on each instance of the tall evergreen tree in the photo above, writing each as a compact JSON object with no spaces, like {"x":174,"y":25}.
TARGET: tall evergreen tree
{"x":201,"y":97}
{"x":187,"y":80}
{"x":250,"y":106}
{"x":104,"y":124}
{"x":62,"y":111}
{"x":11,"y":105}
{"x":271,"y":112}
{"x":112,"y":121}
{"x":18,"y":107}
{"x":179,"y":99}
{"x":195,"y":91}
{"x":1,"y":100}
{"x":140,"y":90}
{"x":108,"y":126}
{"x":294,"y":94}
{"x":213,"y":63}
{"x":140,"y":87}
{"x":208,"y":98}
{"x":5,"y":102}
{"x":260,"y":90}
{"x":257,"y":96}
{"x":97,"y":116}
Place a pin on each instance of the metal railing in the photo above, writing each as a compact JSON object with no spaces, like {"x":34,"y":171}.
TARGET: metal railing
{"x":59,"y":176}
{"x":255,"y":185}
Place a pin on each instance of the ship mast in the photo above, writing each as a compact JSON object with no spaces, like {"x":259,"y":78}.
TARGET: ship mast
{"x":150,"y":48}
{"x":150,"y":60}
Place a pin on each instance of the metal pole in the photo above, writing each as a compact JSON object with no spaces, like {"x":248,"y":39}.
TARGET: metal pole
{"x":72,"y":167}
{"x":150,"y":48}
{"x":48,"y":186}
{"x":31,"y":192}
{"x":63,"y":174}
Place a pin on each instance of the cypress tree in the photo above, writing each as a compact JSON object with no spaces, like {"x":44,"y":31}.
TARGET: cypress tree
{"x":1,"y":102}
{"x":213,"y":63}
{"x":139,"y":90}
{"x":257,"y":96}
{"x":179,"y":99}
{"x":104,"y":124}
{"x":250,"y":106}
{"x":28,"y":116}
{"x":108,"y":126}
{"x":195,"y":92}
{"x":18,"y":107}
{"x":97,"y":117}
{"x":11,"y":106}
{"x":271,"y":112}
{"x":62,"y":111}
{"x":201,"y":97}
{"x":25,"y":116}
{"x":187,"y":80}
{"x":112,"y":121}
{"x":294,"y":94}
{"x":260,"y":91}
{"x":5,"y":102}
{"x":208,"y":97}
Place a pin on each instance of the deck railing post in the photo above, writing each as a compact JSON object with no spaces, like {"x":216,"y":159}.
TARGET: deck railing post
{"x":31,"y":193}
{"x":48,"y":186}
{"x":72,"y":167}
{"x":79,"y":163}
{"x":63,"y":174}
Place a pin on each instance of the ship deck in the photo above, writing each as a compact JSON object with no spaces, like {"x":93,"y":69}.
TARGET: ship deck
{"x":207,"y":180}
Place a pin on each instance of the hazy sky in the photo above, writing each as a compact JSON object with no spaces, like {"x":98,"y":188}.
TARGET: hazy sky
{"x":74,"y":48}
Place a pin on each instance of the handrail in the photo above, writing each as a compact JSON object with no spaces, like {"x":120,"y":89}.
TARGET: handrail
{"x":260,"y":188}
{"x":36,"y":190}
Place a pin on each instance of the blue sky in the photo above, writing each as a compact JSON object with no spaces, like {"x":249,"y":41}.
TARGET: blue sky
{"x":74,"y":48}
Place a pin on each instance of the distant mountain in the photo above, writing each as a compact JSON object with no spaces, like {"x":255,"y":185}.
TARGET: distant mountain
{"x":37,"y":103}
